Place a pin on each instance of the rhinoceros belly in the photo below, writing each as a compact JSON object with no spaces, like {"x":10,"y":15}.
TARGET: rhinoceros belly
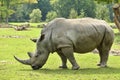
{"x":85,"y":40}
{"x":85,"y":45}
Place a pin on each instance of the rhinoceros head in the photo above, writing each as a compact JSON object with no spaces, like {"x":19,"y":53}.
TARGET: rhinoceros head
{"x":39,"y":58}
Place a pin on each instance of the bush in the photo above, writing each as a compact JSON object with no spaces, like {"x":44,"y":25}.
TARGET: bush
{"x":73,"y":13}
{"x":102,"y":12}
{"x":35,"y":16}
{"x":82,"y":14}
{"x":51,"y":15}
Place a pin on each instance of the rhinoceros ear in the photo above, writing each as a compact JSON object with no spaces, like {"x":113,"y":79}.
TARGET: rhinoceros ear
{"x":42,"y":37}
{"x":34,"y":40}
{"x":44,"y":25}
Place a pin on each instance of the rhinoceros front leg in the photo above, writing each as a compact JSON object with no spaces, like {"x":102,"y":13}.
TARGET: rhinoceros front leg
{"x":63,"y":58}
{"x":68,"y":52}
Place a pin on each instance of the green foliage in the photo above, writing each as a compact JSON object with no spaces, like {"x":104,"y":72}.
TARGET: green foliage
{"x":108,"y":1}
{"x":8,"y":4}
{"x":82,"y":14}
{"x":45,"y":7}
{"x":63,"y":7}
{"x":19,"y":13}
{"x":22,"y":12}
{"x":102,"y":12}
{"x":35,"y":16}
{"x":18,"y":43}
{"x":5,"y":10}
{"x":73,"y":13}
{"x":51,"y":15}
{"x":88,"y":6}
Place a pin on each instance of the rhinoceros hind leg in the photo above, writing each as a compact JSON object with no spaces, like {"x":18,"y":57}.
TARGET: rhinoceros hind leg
{"x":105,"y":47}
{"x":101,"y":65}
{"x":103,"y":53}
{"x":68,"y":52}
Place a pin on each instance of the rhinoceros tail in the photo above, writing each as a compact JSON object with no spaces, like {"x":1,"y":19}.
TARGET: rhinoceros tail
{"x":108,"y":38}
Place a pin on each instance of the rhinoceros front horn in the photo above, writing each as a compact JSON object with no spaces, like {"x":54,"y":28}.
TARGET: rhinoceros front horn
{"x":26,"y":62}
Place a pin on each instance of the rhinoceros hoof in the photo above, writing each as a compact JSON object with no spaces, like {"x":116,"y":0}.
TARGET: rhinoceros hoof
{"x":98,"y":64}
{"x":102,"y":65}
{"x":75,"y":68}
{"x":64,"y":67}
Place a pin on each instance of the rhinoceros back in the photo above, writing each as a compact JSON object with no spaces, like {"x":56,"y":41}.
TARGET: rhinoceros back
{"x":83,"y":34}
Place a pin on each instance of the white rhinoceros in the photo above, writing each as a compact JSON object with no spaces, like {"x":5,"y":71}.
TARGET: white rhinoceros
{"x":66,"y":36}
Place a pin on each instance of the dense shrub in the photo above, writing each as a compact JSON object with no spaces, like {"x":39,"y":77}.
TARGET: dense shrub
{"x":51,"y":15}
{"x":73,"y":13}
{"x":35,"y":16}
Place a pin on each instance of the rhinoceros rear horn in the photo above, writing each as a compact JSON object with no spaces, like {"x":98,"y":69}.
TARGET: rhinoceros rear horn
{"x":30,"y":54}
{"x":26,"y":62}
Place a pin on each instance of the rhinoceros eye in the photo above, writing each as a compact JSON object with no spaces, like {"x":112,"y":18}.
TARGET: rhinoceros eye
{"x":36,"y":55}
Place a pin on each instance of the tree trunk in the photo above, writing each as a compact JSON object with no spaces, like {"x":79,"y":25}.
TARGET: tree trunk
{"x":6,"y":17}
{"x":116,"y":9}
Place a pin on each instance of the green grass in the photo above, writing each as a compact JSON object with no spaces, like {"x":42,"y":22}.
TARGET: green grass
{"x":33,"y":25}
{"x":116,"y":44}
{"x":17,"y":43}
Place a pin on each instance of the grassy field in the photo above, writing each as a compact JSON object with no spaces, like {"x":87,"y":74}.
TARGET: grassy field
{"x":33,"y":25}
{"x":18,"y":43}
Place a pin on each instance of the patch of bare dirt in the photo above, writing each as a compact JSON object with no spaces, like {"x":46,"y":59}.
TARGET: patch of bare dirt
{"x":13,"y":36}
{"x":112,"y":52}
{"x":3,"y":25}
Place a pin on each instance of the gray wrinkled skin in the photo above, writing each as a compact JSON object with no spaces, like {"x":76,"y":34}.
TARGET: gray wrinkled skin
{"x":66,"y":36}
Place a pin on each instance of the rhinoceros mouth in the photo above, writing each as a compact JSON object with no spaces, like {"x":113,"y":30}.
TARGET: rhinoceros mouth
{"x":36,"y":67}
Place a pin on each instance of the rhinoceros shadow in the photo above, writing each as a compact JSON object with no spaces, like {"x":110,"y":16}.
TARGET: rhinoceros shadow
{"x":108,"y":70}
